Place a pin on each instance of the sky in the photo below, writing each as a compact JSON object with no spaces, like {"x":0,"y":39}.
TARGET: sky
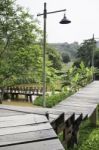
{"x":84,"y":16}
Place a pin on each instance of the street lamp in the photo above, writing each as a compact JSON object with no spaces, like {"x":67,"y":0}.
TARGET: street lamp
{"x":93,"y":55}
{"x":63,"y":21}
{"x":93,"y":58}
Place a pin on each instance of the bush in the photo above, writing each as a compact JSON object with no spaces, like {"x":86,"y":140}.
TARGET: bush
{"x":52,"y":100}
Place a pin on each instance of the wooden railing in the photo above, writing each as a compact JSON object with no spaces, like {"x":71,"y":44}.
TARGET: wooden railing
{"x":14,"y":92}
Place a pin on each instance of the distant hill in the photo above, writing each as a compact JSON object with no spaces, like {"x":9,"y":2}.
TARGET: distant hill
{"x":70,"y":49}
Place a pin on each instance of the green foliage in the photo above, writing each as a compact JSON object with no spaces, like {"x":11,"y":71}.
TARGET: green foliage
{"x":75,"y":77}
{"x":66,"y":48}
{"x":52,"y":100}
{"x":96,"y":58}
{"x":85,"y":52}
{"x":18,"y":55}
{"x":65,"y":57}
{"x":89,"y":137}
{"x":89,"y":54}
{"x":96,"y":73}
{"x":55,"y":58}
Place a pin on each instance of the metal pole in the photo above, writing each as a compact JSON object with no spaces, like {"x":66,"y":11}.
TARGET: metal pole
{"x":44,"y":57}
{"x":44,"y":50}
{"x":52,"y":12}
{"x":93,"y":59}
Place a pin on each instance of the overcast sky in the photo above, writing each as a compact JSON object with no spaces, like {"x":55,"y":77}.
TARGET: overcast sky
{"x":84,"y":16}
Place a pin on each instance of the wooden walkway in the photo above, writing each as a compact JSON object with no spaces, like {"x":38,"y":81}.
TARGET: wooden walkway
{"x":32,"y":128}
{"x":59,"y":120}
{"x":25,"y":131}
{"x":83,"y":102}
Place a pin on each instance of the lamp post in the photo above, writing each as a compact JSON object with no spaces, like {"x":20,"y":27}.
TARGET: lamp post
{"x":63,"y":21}
{"x":93,"y":56}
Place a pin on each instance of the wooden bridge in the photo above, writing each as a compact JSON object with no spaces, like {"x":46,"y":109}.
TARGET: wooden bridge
{"x":26,"y":131}
{"x":14,"y":92}
{"x":37,"y":128}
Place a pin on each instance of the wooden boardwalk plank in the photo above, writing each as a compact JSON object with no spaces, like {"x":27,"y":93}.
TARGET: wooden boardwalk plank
{"x":77,"y":103}
{"x":51,"y":113}
{"x":73,"y":110}
{"x":21,"y":120}
{"x":27,"y":137}
{"x":33,"y":110}
{"x":22,"y":129}
{"x":9,"y":113}
{"x":53,"y":144}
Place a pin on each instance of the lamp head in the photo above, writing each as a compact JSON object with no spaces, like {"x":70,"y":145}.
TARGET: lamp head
{"x":65,"y":20}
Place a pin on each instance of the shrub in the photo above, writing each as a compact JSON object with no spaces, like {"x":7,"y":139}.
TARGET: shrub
{"x":52,"y":100}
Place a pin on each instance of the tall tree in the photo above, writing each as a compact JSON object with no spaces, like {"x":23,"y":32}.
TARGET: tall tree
{"x":85,"y":52}
{"x":18,"y":32}
{"x":20,"y":55}
{"x":96,"y":58}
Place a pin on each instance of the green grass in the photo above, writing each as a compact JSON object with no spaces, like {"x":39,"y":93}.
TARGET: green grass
{"x":88,"y":137}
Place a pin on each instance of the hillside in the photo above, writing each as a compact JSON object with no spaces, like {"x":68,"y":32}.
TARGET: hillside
{"x":70,"y":49}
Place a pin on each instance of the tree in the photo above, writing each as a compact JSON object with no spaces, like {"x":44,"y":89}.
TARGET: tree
{"x":96,"y":58}
{"x":20,"y":55}
{"x":85,"y":52}
{"x":75,"y":77}
{"x":65,"y":57}
{"x":55,"y":58}
{"x":18,"y":32}
{"x":17,"y":26}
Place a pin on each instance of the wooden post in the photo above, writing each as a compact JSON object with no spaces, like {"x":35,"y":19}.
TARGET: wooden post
{"x":47,"y":115}
{"x":30,"y":98}
{"x":93,"y":117}
{"x":17,"y":96}
{"x":26,"y":97}
{"x":12,"y":96}
{"x":0,"y":98}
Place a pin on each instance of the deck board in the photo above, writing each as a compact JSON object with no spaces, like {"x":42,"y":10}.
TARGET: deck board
{"x":53,"y":144}
{"x":20,"y":130}
{"x":24,"y":137}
